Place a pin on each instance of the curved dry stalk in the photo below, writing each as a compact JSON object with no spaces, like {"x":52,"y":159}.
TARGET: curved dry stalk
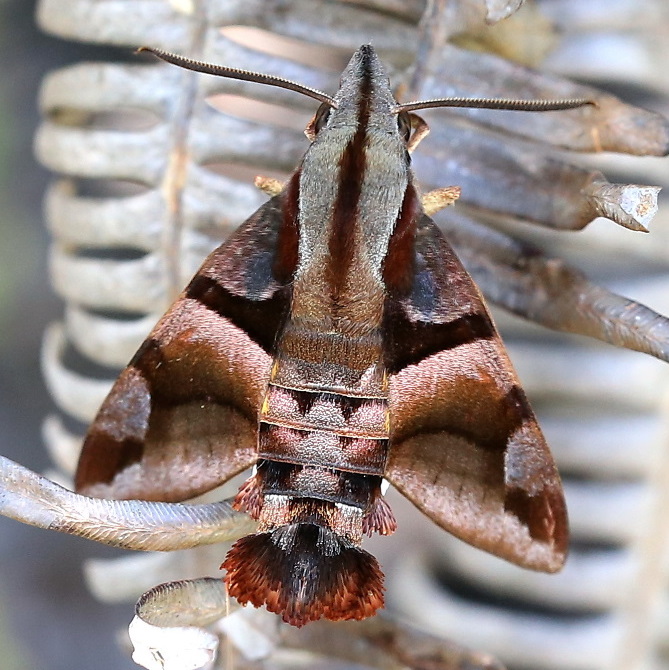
{"x":383,"y":642}
{"x":191,"y":602}
{"x":388,"y":642}
{"x":129,"y":524}
{"x":523,"y":280}
{"x":513,"y":180}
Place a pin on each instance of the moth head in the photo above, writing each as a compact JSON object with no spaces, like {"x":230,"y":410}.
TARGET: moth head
{"x":404,"y":125}
{"x":364,"y":98}
{"x":318,"y":121}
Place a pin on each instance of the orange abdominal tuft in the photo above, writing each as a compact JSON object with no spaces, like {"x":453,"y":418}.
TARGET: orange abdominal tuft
{"x":304,"y":573}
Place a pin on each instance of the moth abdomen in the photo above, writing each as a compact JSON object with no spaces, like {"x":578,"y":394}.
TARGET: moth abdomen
{"x":305,"y":563}
{"x":315,"y":492}
{"x":350,"y":504}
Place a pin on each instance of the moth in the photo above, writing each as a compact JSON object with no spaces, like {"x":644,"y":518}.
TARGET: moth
{"x":335,"y":343}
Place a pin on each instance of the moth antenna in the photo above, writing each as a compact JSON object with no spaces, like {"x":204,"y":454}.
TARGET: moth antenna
{"x":304,"y":573}
{"x":234,"y":73}
{"x":499,"y":103}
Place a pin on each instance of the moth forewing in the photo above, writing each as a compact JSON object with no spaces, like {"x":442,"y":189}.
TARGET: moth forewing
{"x":466,"y":448}
{"x":182,"y":417}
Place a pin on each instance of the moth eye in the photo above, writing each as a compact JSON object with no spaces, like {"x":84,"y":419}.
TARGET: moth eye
{"x":322,"y":116}
{"x":404,"y":125}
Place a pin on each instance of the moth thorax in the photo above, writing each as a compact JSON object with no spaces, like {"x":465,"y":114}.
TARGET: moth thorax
{"x":323,"y":295}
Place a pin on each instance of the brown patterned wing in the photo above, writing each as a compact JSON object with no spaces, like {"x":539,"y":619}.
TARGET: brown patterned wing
{"x":182,"y":417}
{"x":465,"y":445}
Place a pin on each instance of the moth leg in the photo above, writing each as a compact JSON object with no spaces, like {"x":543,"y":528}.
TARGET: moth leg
{"x":131,"y":524}
{"x":268,"y":185}
{"x":435,"y":201}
